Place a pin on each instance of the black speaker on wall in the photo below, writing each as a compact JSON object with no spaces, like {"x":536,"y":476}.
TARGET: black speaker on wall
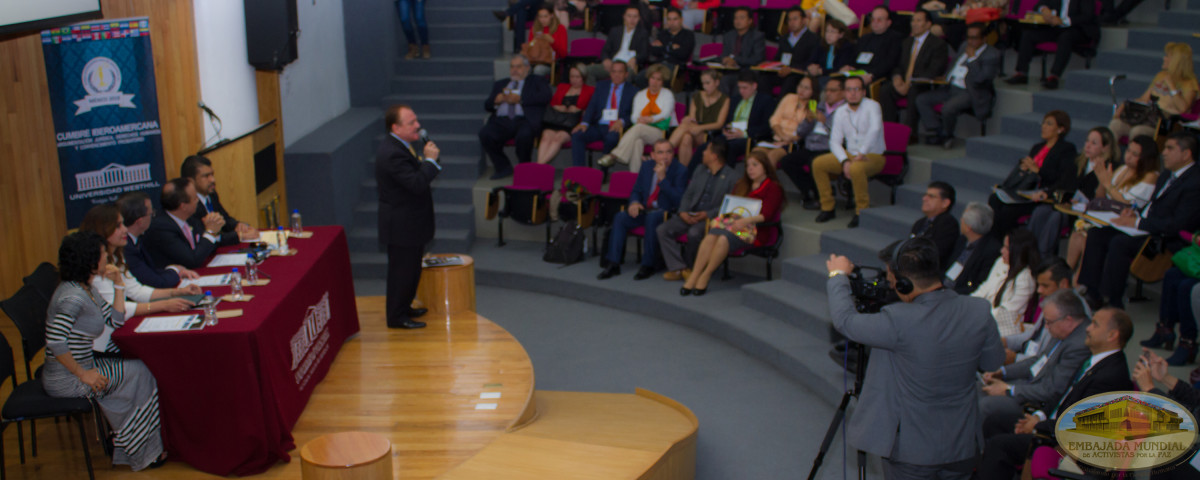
{"x":271,"y":30}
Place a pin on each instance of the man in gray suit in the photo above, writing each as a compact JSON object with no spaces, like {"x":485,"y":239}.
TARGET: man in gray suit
{"x":918,"y":407}
{"x":969,"y":88}
{"x":1043,"y":378}
{"x":700,"y":202}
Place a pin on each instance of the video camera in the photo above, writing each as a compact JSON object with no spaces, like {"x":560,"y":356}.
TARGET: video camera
{"x":871,"y":292}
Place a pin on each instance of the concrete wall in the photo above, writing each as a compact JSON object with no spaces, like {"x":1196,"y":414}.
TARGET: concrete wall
{"x":226,"y":77}
{"x":371,"y":41}
{"x":315,"y":88}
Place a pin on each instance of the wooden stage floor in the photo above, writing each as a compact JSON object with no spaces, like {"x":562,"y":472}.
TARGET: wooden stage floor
{"x":419,"y":388}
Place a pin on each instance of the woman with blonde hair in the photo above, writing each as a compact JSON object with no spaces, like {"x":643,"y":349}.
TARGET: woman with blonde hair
{"x":709,"y":109}
{"x":653,"y":114}
{"x":1175,"y":87}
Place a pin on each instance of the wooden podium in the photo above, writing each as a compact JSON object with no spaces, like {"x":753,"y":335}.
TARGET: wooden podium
{"x":249,"y":175}
{"x":450,"y":289}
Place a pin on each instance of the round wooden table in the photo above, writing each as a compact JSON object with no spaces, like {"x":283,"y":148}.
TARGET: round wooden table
{"x":450,"y":289}
{"x":347,"y":456}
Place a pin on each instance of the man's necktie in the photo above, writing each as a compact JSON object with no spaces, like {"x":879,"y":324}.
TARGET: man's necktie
{"x":187,"y":232}
{"x":208,"y":204}
{"x":1170,"y":180}
{"x":653,"y":197}
{"x":1078,"y":375}
{"x":413,"y":152}
{"x":912,"y":59}
{"x":612,"y":97}
{"x":512,"y":109}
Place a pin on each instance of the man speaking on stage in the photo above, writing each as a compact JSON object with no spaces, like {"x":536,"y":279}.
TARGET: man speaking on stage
{"x":919,"y":404}
{"x":405,"y":210}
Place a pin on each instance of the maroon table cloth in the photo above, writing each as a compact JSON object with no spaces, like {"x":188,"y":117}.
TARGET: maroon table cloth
{"x":230,"y":394}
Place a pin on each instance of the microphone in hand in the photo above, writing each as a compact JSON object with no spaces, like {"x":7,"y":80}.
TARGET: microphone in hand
{"x":431,"y":150}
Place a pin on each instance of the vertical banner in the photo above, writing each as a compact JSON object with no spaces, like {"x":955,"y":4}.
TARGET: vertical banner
{"x":101,"y":82}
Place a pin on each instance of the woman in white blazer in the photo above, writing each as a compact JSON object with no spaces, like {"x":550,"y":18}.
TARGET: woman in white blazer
{"x":1011,"y":285}
{"x":653,"y":113}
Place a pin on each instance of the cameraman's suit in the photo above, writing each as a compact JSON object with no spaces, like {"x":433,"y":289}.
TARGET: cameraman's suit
{"x":1000,"y":413}
{"x":918,"y":408}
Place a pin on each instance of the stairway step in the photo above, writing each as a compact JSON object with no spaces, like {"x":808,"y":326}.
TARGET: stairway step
{"x":1079,"y":105}
{"x":976,"y":174}
{"x":1002,"y":150}
{"x":368,"y":265}
{"x":1187,"y":20}
{"x":475,"y":30}
{"x":450,"y":123}
{"x":910,"y":195}
{"x":364,"y":239}
{"x":428,"y":85}
{"x":1029,"y":125}
{"x":437,"y":14}
{"x":446,"y":215}
{"x":895,"y":221}
{"x":794,"y":305}
{"x":807,"y":271}
{"x":1154,"y":38}
{"x":442,"y":66}
{"x":443,"y":103}
{"x":453,"y":191}
{"x":1096,"y":81}
{"x":452,"y":240}
{"x":1131,"y":60}
{"x":861,"y":245}
{"x":465,"y":47}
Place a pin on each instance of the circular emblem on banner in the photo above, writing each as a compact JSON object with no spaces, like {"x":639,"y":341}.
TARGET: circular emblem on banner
{"x":101,"y":75}
{"x":1126,"y":431}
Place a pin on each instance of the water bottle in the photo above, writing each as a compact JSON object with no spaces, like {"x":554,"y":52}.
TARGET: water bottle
{"x":235,"y":283}
{"x":251,"y":269}
{"x":297,"y":228}
{"x":283,"y":246}
{"x":210,"y":309}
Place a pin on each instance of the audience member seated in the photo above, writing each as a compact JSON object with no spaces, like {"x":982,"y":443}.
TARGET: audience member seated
{"x":654,"y":113}
{"x":199,"y":170}
{"x":1154,"y":369}
{"x":835,"y":54}
{"x":546,"y":29}
{"x":730,"y":233}
{"x":938,"y":224}
{"x":1077,"y":26}
{"x":814,"y":129}
{"x":606,"y":116}
{"x":1132,"y":184}
{"x":795,"y":48}
{"x":516,"y":105}
{"x":751,"y":120}
{"x":1174,"y":87}
{"x":1099,"y":153}
{"x":1051,"y":275}
{"x":700,"y":202}
{"x":172,"y":239}
{"x":1010,"y":284}
{"x":878,"y":51}
{"x":1174,"y":207}
{"x":741,"y":48}
{"x":137,"y":211}
{"x":569,"y":101}
{"x":123,"y":387}
{"x":1041,"y":379}
{"x":1105,"y":370}
{"x":856,"y":146}
{"x":974,"y":252}
{"x":922,"y":56}
{"x":969,"y":89}
{"x":793,"y":110}
{"x":628,"y":43}
{"x":656,"y":193}
{"x":674,"y":44}
{"x":694,"y":11}
{"x":708,"y":113}
{"x":1049,"y":168}
{"x":1176,"y":308}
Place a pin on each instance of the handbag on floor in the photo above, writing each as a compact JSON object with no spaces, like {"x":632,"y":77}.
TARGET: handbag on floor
{"x":1152,"y":261}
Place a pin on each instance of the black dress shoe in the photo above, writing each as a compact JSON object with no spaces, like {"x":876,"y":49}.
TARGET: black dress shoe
{"x":417,"y":312}
{"x":825,"y":216}
{"x":683,"y":292}
{"x":812,"y":204}
{"x":699,"y":291}
{"x":853,"y":222}
{"x":1017,"y":79}
{"x":609,"y":272}
{"x":644,"y":273}
{"x":500,"y":14}
{"x":406,"y":323}
{"x":1050,"y":83}
{"x":157,"y":463}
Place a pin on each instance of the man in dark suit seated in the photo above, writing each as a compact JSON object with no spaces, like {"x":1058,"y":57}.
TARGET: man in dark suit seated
{"x":172,"y":239}
{"x":795,"y":48}
{"x":969,"y":88}
{"x":659,"y":185}
{"x":938,"y":224}
{"x":1104,"y":371}
{"x":700,"y":202}
{"x":606,"y":116}
{"x":878,"y":51}
{"x":1077,"y":26}
{"x":922,"y":56}
{"x":1174,"y":207}
{"x":199,"y":170}
{"x":516,"y":105}
{"x":137,"y":212}
{"x":975,"y":251}
{"x":628,"y":43}
{"x":673,"y":45}
{"x":1041,"y":379}
{"x":749,"y":121}
{"x":741,"y":48}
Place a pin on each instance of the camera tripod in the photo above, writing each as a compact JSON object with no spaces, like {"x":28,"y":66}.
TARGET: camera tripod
{"x":860,"y":353}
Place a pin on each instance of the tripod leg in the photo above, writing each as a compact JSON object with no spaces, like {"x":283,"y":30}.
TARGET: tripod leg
{"x":829,"y":433}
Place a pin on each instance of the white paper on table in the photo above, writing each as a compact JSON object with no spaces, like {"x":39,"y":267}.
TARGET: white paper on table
{"x":625,"y":57}
{"x":741,"y":125}
{"x":785,"y":59}
{"x":173,"y":323}
{"x":206,"y":281}
{"x":767,"y":145}
{"x":744,"y":206}
{"x":1107,"y":217}
{"x":1007,"y":199}
{"x":228,"y":260}
{"x":489,"y":395}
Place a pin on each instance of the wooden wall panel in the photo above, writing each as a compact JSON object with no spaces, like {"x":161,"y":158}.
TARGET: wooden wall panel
{"x":32,"y":215}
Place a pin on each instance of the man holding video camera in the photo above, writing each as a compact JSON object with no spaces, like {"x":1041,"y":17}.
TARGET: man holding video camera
{"x":918,"y":408}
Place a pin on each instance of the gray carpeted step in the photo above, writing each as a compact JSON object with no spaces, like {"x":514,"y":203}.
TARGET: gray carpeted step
{"x":1141,"y":61}
{"x":1002,"y":150}
{"x":791,"y":303}
{"x":437,"y":14}
{"x":368,"y":266}
{"x":1077,"y":105}
{"x":452,"y":122}
{"x":1154,"y":38}
{"x":428,"y":85}
{"x":1096,"y":81}
{"x":453,"y":191}
{"x":806,"y":271}
{"x":1179,"y":19}
{"x":452,"y":240}
{"x":1029,"y":126}
{"x":442,"y":103}
{"x":862,"y":246}
{"x":895,"y":221}
{"x":463,"y":47}
{"x":442,"y":66}
{"x":971,"y":173}
{"x":363,"y":240}
{"x":366,"y":214}
{"x":460,"y":28}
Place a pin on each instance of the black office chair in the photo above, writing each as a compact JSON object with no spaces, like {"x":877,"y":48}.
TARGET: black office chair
{"x":44,"y":279}
{"x":29,"y":401}
{"x":27,"y":309}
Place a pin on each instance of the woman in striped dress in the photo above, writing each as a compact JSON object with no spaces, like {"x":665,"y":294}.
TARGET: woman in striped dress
{"x":124,"y":388}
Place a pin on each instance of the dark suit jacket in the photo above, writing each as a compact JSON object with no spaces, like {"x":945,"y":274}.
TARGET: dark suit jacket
{"x":885,"y":50}
{"x":1053,"y":379}
{"x":975,"y":271}
{"x":685,"y":39}
{"x":943,"y":232}
{"x":754,"y":47}
{"x":1081,"y":13}
{"x":759,"y":124}
{"x":1177,"y":209}
{"x":228,"y":232}
{"x":841,"y":57}
{"x":1109,"y":375}
{"x":1058,"y":172}
{"x":405,"y":196}
{"x":639,"y":44}
{"x":931,"y":60}
{"x":535,"y":95}
{"x":599,"y":102}
{"x":168,"y":244}
{"x":670,"y":188}
{"x":802,"y":51}
{"x":143,"y":268}
{"x":981,"y":72}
